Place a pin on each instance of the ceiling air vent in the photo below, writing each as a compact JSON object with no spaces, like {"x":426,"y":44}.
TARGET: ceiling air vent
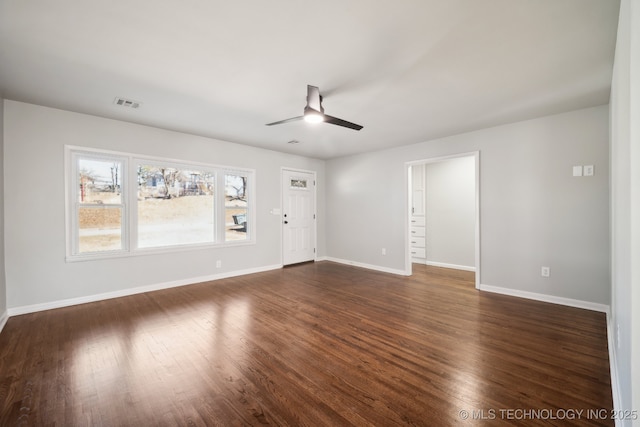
{"x":128,"y":103}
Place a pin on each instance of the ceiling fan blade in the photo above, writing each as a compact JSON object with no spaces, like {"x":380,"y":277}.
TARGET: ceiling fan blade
{"x":314,"y":100}
{"x":292,"y":119}
{"x":336,"y":121}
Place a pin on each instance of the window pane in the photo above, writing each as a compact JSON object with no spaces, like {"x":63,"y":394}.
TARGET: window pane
{"x":298,"y":183}
{"x":236,"y":196}
{"x":175,"y":206}
{"x":100,"y":229}
{"x":99,"y":181}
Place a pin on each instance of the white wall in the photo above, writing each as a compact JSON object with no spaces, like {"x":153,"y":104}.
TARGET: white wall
{"x":450,"y":212}
{"x":625,"y":208}
{"x":3,"y":287}
{"x":36,"y":271}
{"x":533,"y":212}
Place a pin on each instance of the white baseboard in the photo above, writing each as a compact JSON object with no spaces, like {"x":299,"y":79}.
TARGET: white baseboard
{"x":15,"y":311}
{"x":603,"y":308}
{"x":367,"y":266}
{"x":3,"y":319}
{"x":455,"y":266}
{"x":613,"y":367}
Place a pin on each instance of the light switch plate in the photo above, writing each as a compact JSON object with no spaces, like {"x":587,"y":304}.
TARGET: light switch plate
{"x":589,"y":170}
{"x":577,"y":171}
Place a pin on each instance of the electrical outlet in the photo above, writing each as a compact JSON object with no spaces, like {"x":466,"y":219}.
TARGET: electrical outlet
{"x":219,"y":263}
{"x":384,"y":251}
{"x":545,"y":271}
{"x":589,"y":170}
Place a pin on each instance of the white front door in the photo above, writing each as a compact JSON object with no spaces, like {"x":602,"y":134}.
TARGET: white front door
{"x":298,"y":216}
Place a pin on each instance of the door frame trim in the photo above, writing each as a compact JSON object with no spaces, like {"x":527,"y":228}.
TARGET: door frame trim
{"x":315,"y":210}
{"x":407,"y":221}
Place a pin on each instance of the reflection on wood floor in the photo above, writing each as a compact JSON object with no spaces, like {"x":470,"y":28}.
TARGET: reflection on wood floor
{"x":315,"y":344}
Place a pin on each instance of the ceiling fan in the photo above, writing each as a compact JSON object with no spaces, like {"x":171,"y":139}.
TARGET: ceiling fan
{"x":314,"y":112}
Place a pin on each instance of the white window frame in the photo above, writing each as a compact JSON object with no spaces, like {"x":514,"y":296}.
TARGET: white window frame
{"x":129,"y":185}
{"x":73,"y":204}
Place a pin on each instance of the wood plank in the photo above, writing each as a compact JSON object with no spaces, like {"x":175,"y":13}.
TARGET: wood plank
{"x":312,"y":344}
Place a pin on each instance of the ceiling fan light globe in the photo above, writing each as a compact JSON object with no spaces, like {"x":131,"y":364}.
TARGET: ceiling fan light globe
{"x":313,"y":118}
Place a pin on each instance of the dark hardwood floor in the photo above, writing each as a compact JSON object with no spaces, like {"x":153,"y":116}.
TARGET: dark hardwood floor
{"x":315,"y":344}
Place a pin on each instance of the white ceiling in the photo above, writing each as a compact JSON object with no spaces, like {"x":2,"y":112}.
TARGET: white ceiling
{"x":407,"y":70}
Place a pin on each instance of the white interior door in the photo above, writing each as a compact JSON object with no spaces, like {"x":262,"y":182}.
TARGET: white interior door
{"x":298,"y":216}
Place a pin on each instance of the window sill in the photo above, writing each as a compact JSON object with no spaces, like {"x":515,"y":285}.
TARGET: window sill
{"x":154,"y":251}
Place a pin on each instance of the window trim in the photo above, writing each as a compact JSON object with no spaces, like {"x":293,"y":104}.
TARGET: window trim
{"x":130,"y":203}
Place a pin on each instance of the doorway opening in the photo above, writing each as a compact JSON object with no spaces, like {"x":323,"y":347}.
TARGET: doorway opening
{"x":443,"y":213}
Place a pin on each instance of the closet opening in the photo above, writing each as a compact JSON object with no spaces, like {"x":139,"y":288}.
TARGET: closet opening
{"x":443,"y":226}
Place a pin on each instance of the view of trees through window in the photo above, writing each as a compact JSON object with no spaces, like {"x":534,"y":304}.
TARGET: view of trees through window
{"x":235,"y":207}
{"x":175,"y":206}
{"x":171,"y":204}
{"x":101,"y":208}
